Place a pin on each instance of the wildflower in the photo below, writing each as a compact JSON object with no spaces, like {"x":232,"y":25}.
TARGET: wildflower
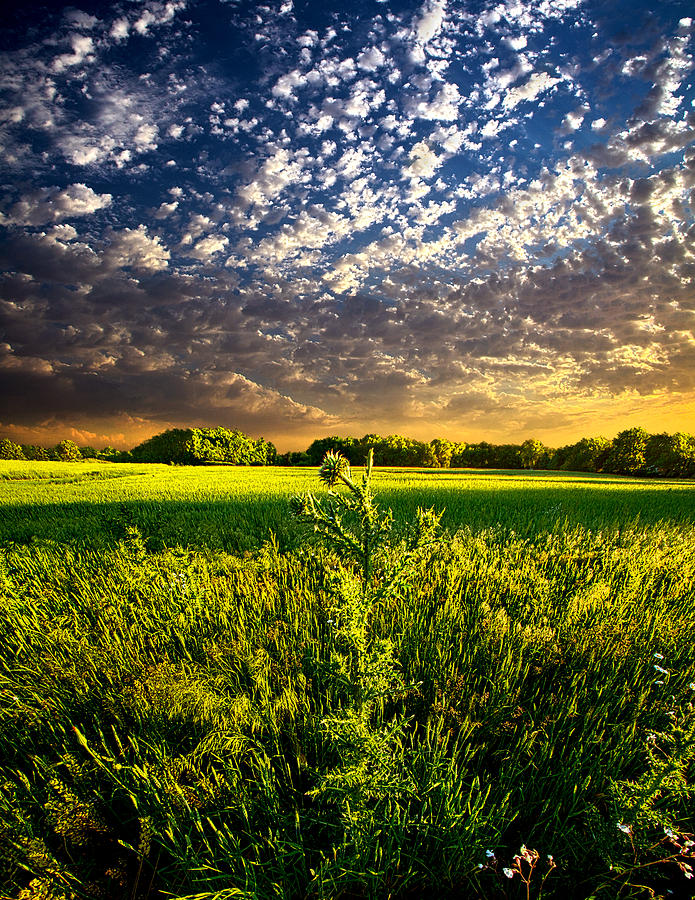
{"x":657,"y":681}
{"x":490,"y":854}
{"x":685,"y":869}
{"x":626,"y":829}
{"x":510,"y":872}
{"x":550,"y":858}
{"x":692,"y":685}
{"x":481,"y":866}
{"x":669,"y":832}
{"x":660,"y":669}
{"x":658,"y":655}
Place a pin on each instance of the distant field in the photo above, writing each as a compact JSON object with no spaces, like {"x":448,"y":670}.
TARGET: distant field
{"x":236,"y":508}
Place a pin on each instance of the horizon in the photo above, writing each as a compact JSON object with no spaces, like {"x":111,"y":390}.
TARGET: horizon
{"x":454,"y":218}
{"x":356,"y":437}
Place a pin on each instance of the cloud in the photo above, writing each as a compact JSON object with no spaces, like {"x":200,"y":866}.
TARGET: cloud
{"x":424,"y":162}
{"x":54,"y":205}
{"x":350,"y":234}
{"x":209,"y":246}
{"x":430,"y":20}
{"x":537,"y":84}
{"x":133,"y":247}
{"x":371,"y":59}
{"x":82,"y":47}
{"x":444,"y":106}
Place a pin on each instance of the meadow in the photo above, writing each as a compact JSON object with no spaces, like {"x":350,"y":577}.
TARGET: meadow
{"x":200,"y":697}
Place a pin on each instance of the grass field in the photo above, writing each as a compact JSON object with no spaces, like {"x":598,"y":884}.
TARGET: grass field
{"x":235,"y":508}
{"x":200,"y":699}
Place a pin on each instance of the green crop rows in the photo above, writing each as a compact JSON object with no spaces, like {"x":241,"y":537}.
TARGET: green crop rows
{"x":200,"y":698}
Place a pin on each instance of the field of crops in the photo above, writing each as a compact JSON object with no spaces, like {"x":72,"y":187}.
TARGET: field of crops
{"x":200,"y":697}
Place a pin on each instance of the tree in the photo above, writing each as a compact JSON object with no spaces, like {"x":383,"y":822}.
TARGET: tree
{"x":201,"y":446}
{"x":36,"y":452}
{"x":627,"y":454}
{"x":671,"y":454}
{"x":532,"y":452}
{"x":587,"y":455}
{"x":442,"y":450}
{"x":67,"y":451}
{"x":346,"y":446}
{"x":10,"y":450}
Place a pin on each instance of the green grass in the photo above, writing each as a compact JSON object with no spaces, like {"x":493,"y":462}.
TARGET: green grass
{"x":177,"y":713}
{"x":235,"y":509}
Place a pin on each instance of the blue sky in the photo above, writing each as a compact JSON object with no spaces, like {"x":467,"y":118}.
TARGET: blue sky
{"x":450,"y":218}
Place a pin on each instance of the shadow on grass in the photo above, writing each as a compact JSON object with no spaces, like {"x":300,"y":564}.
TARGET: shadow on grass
{"x":237,"y":525}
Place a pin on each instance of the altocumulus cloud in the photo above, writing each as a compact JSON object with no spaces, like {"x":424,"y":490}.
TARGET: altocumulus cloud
{"x":462,"y":218}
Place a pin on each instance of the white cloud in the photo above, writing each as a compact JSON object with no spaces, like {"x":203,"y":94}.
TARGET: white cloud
{"x":82,"y":48}
{"x":443,"y":107}
{"x":490,"y":129}
{"x":371,"y":59}
{"x":145,"y":138}
{"x":517,"y":43}
{"x":573,"y":120}
{"x":285,"y":85}
{"x":81,"y":19}
{"x":156,"y":13}
{"x":424,"y":162}
{"x":120,"y":29}
{"x":537,"y":84}
{"x":135,"y":248}
{"x":209,"y":246}
{"x":430,"y":21}
{"x":166,"y":209}
{"x":54,"y":205}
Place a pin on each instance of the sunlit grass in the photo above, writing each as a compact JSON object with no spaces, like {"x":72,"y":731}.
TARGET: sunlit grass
{"x":236,"y":508}
{"x":166,"y":702}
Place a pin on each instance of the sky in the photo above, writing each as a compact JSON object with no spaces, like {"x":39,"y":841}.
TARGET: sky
{"x":469,"y":219}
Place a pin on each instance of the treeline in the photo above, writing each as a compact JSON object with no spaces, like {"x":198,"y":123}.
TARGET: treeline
{"x":65,"y":451}
{"x":181,"y":446}
{"x":632,"y":452}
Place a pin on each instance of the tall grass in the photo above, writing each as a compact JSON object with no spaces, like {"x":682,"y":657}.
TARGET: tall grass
{"x":177,"y":720}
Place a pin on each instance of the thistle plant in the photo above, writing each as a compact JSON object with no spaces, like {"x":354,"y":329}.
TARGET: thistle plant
{"x":370,"y":751}
{"x":352,"y":523}
{"x":357,"y":529}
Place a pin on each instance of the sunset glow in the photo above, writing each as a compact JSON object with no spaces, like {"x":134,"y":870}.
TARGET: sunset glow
{"x":471,"y":220}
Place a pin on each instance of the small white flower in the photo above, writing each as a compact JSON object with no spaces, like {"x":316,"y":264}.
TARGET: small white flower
{"x":692,"y":685}
{"x":626,"y":829}
{"x":658,"y":681}
{"x":510,"y":872}
{"x":490,"y":854}
{"x":669,"y":832}
{"x":658,"y":655}
{"x":660,"y":669}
